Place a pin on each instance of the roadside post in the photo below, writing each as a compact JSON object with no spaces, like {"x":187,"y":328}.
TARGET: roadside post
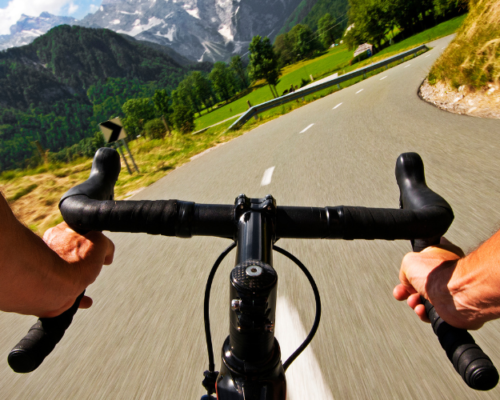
{"x":124,"y":142}
{"x":115,"y":134}
{"x":119,"y":148}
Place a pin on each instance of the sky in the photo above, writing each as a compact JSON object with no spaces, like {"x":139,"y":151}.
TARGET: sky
{"x":11,"y":10}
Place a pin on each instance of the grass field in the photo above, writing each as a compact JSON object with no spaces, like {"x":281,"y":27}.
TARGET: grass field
{"x":291,"y":75}
{"x":334,"y":60}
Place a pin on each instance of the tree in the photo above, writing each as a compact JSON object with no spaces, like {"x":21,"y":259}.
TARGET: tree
{"x":237,"y":66}
{"x":183,"y":118}
{"x":137,"y":112}
{"x":413,"y":16}
{"x":305,"y":42}
{"x":182,"y":113}
{"x":162,"y":106}
{"x":161,"y":103}
{"x":328,"y":30}
{"x":372,"y":19}
{"x":264,"y":62}
{"x":283,"y":47}
{"x":187,"y":94}
{"x":202,"y":88}
{"x":223,"y":80}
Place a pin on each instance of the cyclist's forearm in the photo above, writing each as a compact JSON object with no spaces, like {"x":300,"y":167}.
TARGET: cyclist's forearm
{"x":29,"y":269}
{"x":475,"y":284}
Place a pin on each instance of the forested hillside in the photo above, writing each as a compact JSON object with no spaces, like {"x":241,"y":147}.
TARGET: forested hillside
{"x":45,"y":87}
{"x":309,"y":12}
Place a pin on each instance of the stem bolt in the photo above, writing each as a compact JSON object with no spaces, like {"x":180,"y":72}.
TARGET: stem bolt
{"x":235,"y":304}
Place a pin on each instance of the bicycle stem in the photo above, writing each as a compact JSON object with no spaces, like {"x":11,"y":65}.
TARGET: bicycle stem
{"x":251,"y":349}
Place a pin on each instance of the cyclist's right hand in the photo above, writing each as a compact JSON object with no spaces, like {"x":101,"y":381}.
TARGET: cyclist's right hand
{"x":437,"y":273}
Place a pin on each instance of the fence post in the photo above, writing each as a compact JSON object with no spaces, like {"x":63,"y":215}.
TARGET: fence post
{"x":250,"y":106}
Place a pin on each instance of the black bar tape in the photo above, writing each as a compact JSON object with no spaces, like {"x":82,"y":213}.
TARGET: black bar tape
{"x":40,"y":340}
{"x":349,"y":223}
{"x":473,"y":365}
{"x":153,"y":217}
{"x":392,"y":224}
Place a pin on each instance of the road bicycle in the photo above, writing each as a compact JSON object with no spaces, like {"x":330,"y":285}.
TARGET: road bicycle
{"x":251,"y":366}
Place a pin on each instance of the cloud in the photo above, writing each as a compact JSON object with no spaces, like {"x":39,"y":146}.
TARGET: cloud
{"x":11,"y":14}
{"x":93,"y":8}
{"x":72,"y":8}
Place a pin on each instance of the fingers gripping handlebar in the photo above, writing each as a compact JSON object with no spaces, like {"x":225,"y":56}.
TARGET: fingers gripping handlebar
{"x":42,"y":337}
{"x":475,"y":367}
{"x":424,"y":217}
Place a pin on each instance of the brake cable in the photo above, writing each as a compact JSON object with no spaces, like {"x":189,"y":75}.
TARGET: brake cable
{"x":211,"y":374}
{"x":317,"y":317}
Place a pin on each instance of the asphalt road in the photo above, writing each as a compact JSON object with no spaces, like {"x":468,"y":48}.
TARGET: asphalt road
{"x":143,"y":338}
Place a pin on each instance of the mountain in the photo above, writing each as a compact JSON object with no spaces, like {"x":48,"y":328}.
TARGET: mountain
{"x":200,"y":30}
{"x":181,"y":60}
{"x":58,"y":88}
{"x":28,"y":29}
{"x":67,"y":60}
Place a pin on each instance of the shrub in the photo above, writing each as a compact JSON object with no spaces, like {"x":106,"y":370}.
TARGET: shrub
{"x":304,"y":82}
{"x":155,"y":129}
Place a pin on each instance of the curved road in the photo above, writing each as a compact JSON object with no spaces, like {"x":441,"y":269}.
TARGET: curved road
{"x":143,"y":338}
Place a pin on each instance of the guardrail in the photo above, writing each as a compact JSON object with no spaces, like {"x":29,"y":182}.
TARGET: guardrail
{"x":255,"y":110}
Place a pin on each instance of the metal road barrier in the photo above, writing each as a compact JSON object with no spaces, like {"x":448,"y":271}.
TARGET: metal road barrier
{"x":255,"y":110}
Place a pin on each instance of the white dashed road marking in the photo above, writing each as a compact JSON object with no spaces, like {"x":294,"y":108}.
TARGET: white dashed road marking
{"x":338,"y":105}
{"x":304,"y":379}
{"x":268,"y":175}
{"x":427,"y":55}
{"x":383,"y":78}
{"x":408,"y":65}
{"x":306,"y":128}
{"x":359,"y":91}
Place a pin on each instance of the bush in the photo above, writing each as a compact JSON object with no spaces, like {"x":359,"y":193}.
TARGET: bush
{"x":155,"y":129}
{"x":304,"y":82}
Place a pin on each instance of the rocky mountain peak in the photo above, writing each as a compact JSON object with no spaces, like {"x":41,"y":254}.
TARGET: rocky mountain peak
{"x":28,"y":28}
{"x":201,"y":30}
